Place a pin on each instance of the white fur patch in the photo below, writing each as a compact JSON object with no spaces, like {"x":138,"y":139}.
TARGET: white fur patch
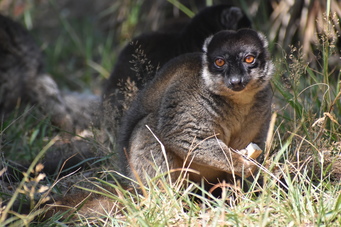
{"x":207,"y":41}
{"x":206,"y":75}
{"x":263,"y":38}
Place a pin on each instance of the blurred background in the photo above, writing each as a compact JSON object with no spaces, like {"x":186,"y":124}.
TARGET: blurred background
{"x":81,"y":39}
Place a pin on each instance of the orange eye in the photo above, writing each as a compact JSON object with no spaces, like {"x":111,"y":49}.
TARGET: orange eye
{"x":219,"y":62}
{"x":249,"y":59}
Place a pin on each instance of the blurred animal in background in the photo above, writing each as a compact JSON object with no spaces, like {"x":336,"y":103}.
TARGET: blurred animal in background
{"x":23,"y":80}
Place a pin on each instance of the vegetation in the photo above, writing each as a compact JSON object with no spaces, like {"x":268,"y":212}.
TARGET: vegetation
{"x":302,"y":168}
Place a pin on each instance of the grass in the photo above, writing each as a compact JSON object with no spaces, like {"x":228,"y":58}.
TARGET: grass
{"x":302,"y":189}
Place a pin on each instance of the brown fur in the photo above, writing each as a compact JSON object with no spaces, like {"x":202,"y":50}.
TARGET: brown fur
{"x":199,"y":120}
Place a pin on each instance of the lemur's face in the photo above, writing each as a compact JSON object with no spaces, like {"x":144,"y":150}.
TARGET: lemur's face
{"x":237,"y":60}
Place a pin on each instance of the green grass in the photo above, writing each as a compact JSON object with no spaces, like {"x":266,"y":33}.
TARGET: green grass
{"x":299,"y":188}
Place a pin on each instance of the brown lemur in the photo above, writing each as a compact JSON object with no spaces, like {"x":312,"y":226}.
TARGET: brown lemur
{"x":203,"y":108}
{"x":141,"y":58}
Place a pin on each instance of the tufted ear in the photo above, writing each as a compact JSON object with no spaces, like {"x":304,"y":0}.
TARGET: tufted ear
{"x":207,"y":41}
{"x":264,"y":39}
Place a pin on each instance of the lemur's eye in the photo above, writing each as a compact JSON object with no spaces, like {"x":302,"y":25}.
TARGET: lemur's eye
{"x":249,"y":59}
{"x":219,"y":62}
